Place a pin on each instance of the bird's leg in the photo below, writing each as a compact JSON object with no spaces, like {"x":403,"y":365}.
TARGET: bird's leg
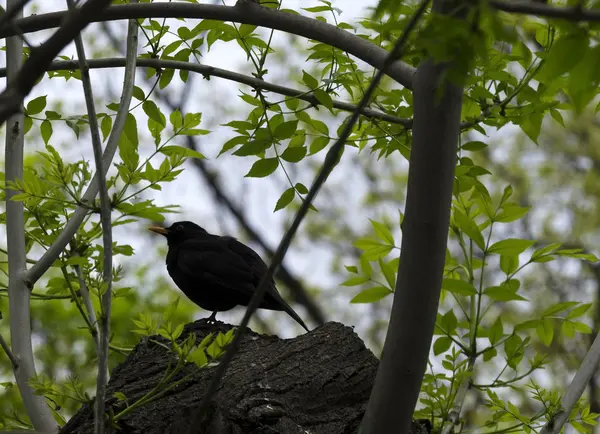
{"x":213,"y":317}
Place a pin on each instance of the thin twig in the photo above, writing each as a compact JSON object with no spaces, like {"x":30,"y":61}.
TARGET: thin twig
{"x":18,"y":291}
{"x":207,"y":71}
{"x":102,"y":341}
{"x":331,"y":160}
{"x":115,"y":134}
{"x":87,"y":301}
{"x":103,"y":192}
{"x":7,"y":350}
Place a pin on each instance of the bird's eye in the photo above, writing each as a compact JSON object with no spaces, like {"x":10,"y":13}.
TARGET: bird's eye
{"x":179,"y":228}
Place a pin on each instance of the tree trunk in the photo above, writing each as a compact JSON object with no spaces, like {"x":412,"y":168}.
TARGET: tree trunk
{"x":317,"y":383}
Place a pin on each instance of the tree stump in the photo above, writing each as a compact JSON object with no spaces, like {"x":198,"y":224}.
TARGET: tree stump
{"x":316,"y":383}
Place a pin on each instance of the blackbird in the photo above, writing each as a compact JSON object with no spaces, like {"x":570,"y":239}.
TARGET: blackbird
{"x":217,"y":273}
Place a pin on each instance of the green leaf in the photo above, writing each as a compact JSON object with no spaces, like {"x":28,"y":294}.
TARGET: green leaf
{"x":510,"y":246}
{"x":579,"y":310}
{"x":318,"y":144}
{"x":389,"y":272}
{"x":285,"y":199}
{"x":285,"y":130}
{"x":502,"y":293}
{"x":583,"y":79}
{"x":292,"y":103}
{"x":448,"y":322}
{"x":513,"y":347}
{"x":263,"y":167}
{"x":120,"y":396}
{"x":176,"y":119}
{"x":441,"y":345}
{"x":294,"y":154}
{"x":474,"y":146}
{"x":46,"y":130}
{"x":563,"y":56}
{"x":194,"y":132}
{"x":301,"y":188}
{"x":180,"y":150}
{"x":153,"y":112}
{"x":510,"y":213}
{"x":166,"y":76}
{"x":568,"y":329}
{"x":198,"y":357}
{"x":356,"y":280}
{"x":52,"y":115}
{"x":351,"y":269}
{"x":459,"y":287}
{"x":545,"y":331}
{"x":509,"y":263}
{"x":324,"y":98}
{"x":371,"y":295}
{"x":559,"y":307}
{"x":544,"y":251}
{"x":106,"y":126}
{"x":318,"y":9}
{"x":373,"y":249}
{"x":138,"y":93}
{"x":582,"y":327}
{"x":298,"y":139}
{"x":232,"y":143}
{"x":365,"y":266}
{"x":128,"y":153}
{"x":36,"y":105}
{"x":253,"y":147}
{"x":131,"y":131}
{"x":532,"y":126}
{"x":469,"y":227}
{"x":309,"y":80}
{"x":382,"y":232}
{"x":496,"y":331}
{"x":489,"y":355}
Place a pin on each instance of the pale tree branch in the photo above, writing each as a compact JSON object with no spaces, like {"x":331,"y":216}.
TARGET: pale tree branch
{"x":331,"y":160}
{"x":437,"y":102}
{"x":242,"y":14}
{"x":11,"y":100}
{"x":70,"y":229}
{"x":575,"y":389}
{"x":18,"y":291}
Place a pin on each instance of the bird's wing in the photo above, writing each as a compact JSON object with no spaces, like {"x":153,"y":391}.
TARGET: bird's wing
{"x":202,"y":257}
{"x":250,"y":257}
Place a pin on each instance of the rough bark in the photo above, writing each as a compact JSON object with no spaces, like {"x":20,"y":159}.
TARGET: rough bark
{"x":317,"y":383}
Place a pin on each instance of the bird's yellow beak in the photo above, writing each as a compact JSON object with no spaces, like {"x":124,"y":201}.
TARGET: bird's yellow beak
{"x":158,"y":230}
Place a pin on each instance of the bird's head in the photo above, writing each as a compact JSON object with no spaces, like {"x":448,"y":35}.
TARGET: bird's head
{"x":179,"y":231}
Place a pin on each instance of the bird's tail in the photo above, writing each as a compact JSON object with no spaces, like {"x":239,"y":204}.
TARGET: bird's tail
{"x":294,"y":315}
